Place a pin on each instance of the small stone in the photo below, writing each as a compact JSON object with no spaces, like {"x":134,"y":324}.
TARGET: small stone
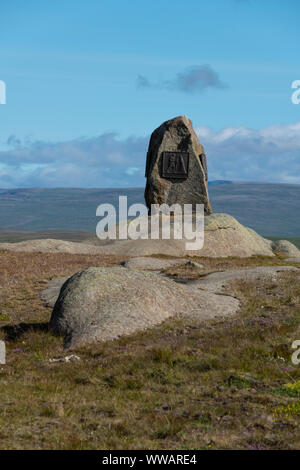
{"x":71,"y":358}
{"x":193,"y":264}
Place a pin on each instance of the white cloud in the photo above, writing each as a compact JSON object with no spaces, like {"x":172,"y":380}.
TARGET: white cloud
{"x":270,"y":154}
{"x":103,"y":161}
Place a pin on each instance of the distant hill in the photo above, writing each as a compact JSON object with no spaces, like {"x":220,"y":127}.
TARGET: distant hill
{"x":270,"y":209}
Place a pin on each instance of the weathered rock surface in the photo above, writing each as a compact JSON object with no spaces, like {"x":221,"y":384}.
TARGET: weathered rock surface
{"x":218,"y":281}
{"x":100,"y":304}
{"x":149,"y":263}
{"x":286,"y":248}
{"x":225,"y":236}
{"x":176,"y":168}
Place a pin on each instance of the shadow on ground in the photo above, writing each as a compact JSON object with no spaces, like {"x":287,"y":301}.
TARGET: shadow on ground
{"x":15,"y":332}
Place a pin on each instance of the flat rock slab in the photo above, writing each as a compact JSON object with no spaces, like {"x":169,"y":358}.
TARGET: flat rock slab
{"x":49,"y":296}
{"x":293,"y":260}
{"x":217,"y":282}
{"x":50,"y":245}
{"x":156,"y":264}
{"x":100,"y":304}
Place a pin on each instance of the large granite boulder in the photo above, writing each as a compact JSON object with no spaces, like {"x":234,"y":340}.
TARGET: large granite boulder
{"x":100,"y":304}
{"x":176,"y":168}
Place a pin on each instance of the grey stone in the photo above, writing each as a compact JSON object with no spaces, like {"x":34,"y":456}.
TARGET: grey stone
{"x":286,"y":248}
{"x":193,"y":264}
{"x":71,"y":358}
{"x":100,"y":304}
{"x":176,"y":167}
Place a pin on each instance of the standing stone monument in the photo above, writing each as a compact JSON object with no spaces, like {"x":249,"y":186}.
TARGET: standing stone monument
{"x":176,"y":168}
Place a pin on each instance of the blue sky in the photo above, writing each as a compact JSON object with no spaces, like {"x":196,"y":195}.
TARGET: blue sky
{"x":87,"y":82}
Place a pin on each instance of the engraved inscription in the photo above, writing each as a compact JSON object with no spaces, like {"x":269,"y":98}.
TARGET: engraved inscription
{"x":175,"y":165}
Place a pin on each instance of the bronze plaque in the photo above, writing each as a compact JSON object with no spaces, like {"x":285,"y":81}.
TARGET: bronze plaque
{"x":175,"y":165}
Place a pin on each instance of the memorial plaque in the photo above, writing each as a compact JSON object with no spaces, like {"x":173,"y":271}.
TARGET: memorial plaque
{"x":175,"y":165}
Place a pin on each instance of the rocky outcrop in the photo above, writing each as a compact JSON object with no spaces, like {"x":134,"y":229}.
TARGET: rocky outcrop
{"x":225,"y":236}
